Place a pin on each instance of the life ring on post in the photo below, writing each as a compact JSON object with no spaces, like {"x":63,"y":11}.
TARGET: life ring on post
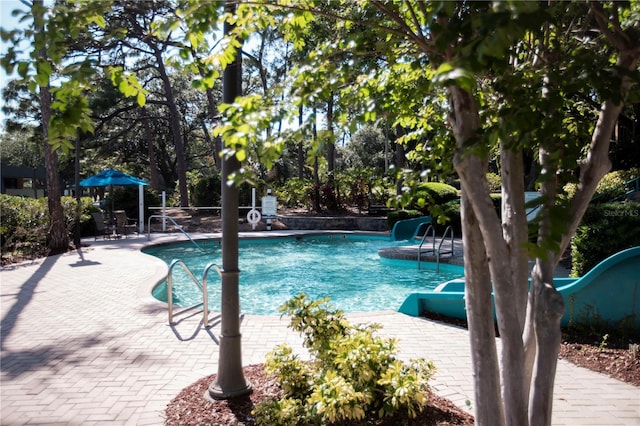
{"x":254,"y":216}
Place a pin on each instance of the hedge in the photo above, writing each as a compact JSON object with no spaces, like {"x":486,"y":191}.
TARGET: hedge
{"x":609,"y":187}
{"x":435,"y":193}
{"x":396,"y":215}
{"x":605,"y":230}
{"x":448,"y":214}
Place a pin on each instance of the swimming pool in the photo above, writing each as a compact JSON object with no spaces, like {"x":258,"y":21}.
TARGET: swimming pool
{"x":345,"y":267}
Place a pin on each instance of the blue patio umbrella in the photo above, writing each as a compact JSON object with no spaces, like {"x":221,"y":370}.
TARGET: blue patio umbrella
{"x":112,"y":177}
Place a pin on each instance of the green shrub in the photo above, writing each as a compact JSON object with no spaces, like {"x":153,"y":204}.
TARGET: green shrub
{"x":605,"y":230}
{"x":496,"y":199}
{"x":495,"y":182}
{"x":396,"y":215}
{"x":609,"y":187}
{"x":356,"y":186}
{"x":296,"y":192}
{"x":23,"y":229}
{"x":353,"y":373}
{"x":433,"y":193}
{"x":126,"y":198}
{"x":447,"y":214}
{"x":25,"y":223}
{"x":205,"y":190}
{"x":69,"y":206}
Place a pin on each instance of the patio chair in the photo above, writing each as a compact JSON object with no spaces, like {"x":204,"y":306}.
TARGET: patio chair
{"x":102,"y":227}
{"x":125,"y":225}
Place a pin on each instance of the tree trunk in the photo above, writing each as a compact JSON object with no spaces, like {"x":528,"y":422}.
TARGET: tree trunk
{"x":213,"y":112}
{"x":301,"y":159}
{"x":399,"y":163}
{"x":486,"y":374}
{"x":176,"y":132}
{"x":472,"y":170}
{"x":515,"y":234}
{"x":58,"y":238}
{"x":217,"y":141}
{"x":548,"y":306}
{"x":331,"y":146}
{"x":316,"y":170}
{"x":77,"y":234}
{"x":151,"y":152}
{"x":514,"y":224}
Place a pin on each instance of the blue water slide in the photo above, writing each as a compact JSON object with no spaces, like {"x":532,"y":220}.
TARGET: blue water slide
{"x":408,"y":229}
{"x":609,"y":292}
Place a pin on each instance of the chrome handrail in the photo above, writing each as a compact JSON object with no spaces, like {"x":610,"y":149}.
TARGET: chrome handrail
{"x":449,"y":228}
{"x":202,"y":287}
{"x":438,"y":252}
{"x":205,"y":294}
{"x":172,"y":265}
{"x":178,"y":227}
{"x":433,"y":243}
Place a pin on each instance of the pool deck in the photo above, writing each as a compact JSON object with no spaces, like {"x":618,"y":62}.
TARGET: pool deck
{"x":84,"y":343}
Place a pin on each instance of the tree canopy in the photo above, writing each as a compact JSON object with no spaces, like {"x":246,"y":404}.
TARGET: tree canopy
{"x":459,"y":85}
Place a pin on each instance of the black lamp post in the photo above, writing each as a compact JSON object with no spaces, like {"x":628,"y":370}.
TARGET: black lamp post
{"x":230,"y":381}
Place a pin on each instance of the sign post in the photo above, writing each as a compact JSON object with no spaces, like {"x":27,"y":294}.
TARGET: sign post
{"x":269,"y":208}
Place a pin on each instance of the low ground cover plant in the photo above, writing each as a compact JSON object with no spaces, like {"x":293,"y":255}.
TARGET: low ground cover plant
{"x":352,"y":374}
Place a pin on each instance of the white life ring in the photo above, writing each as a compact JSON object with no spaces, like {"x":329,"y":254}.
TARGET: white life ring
{"x":254,"y":216}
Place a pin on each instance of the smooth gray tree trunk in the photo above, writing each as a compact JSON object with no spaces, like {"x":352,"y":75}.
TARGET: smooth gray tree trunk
{"x":486,"y":374}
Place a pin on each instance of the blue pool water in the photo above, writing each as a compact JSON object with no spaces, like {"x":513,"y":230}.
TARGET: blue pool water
{"x":345,"y":267}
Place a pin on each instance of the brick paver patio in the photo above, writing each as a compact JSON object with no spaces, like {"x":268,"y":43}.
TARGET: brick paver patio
{"x":84,"y":343}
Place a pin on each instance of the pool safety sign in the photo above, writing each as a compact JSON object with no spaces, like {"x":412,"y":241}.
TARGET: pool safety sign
{"x":269,"y":206}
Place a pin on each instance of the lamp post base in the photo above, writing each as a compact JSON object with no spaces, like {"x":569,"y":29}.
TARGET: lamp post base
{"x":230,"y":381}
{"x":216,"y":392}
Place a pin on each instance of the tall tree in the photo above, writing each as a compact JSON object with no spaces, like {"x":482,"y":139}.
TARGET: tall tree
{"x":446,"y":64}
{"x":63,"y":108}
{"x":136,"y":49}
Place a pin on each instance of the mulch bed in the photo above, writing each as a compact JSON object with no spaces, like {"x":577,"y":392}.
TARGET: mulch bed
{"x":190,"y":408}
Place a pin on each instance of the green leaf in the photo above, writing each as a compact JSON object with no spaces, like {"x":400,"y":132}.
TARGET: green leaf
{"x":447,"y":75}
{"x":23,"y":69}
{"x":43,"y":74}
{"x":141,"y":99}
{"x":98,"y":20}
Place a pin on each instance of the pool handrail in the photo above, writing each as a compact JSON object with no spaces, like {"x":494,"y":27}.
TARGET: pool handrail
{"x":438,"y":252}
{"x":205,"y":293}
{"x":202,"y":286}
{"x":178,"y":227}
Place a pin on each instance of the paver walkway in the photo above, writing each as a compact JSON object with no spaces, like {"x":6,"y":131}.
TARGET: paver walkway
{"x":83,"y":343}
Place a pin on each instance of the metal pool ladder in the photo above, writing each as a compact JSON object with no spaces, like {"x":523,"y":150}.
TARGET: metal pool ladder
{"x":202,"y":286}
{"x":436,"y":252}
